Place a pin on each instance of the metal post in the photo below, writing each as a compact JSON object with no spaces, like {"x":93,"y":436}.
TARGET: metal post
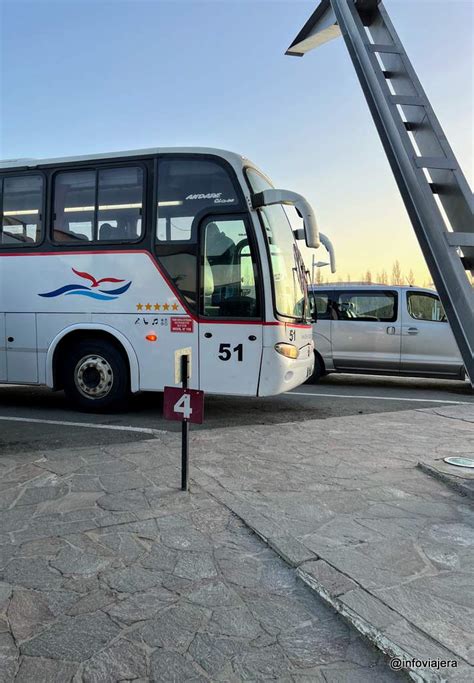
{"x":184,"y":431}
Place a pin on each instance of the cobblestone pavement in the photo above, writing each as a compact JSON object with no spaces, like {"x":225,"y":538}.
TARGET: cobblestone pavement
{"x":109,"y":573}
{"x":349,"y":491}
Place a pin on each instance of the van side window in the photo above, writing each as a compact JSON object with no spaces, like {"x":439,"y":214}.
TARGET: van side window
{"x":98,"y":205}
{"x":423,"y":306}
{"x":22,"y":210}
{"x":377,"y":306}
{"x":322,"y":304}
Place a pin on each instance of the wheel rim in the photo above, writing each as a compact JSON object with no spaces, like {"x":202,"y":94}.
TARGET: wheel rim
{"x":93,"y":377}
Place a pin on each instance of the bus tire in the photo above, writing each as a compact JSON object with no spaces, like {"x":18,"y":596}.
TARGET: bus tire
{"x":319,"y":370}
{"x":96,"y":376}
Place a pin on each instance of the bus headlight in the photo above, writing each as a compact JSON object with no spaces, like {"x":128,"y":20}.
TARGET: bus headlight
{"x":288,"y":350}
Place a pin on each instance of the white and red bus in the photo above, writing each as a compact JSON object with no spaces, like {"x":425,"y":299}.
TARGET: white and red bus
{"x":109,"y":263}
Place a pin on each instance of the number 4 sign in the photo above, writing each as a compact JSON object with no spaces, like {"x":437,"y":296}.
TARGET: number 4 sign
{"x":183,"y":404}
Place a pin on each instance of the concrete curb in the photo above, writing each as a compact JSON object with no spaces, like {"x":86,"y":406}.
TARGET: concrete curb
{"x":386,"y":629}
{"x":458,"y":483}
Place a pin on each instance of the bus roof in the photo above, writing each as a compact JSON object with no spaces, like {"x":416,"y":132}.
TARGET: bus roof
{"x":17,"y":164}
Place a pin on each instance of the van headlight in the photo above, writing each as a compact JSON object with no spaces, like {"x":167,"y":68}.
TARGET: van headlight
{"x":288,"y":350}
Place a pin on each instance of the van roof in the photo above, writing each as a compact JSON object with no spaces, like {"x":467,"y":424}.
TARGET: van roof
{"x":27,"y":163}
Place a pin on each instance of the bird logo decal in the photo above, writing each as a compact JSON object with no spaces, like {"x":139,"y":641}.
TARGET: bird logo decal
{"x":87,"y":290}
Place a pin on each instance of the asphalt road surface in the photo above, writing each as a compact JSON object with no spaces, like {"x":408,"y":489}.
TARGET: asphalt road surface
{"x":36,"y":418}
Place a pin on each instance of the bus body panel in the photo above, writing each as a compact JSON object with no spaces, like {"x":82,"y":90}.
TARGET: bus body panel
{"x":3,"y":350}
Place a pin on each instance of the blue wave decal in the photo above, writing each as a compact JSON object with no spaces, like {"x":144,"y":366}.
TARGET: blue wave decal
{"x":92,"y":295}
{"x":63,"y":290}
{"x":119,"y":290}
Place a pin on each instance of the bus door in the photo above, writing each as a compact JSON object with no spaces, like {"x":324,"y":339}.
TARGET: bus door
{"x":230,"y":327}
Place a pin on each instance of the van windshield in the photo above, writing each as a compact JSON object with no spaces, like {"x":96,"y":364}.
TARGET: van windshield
{"x":289,"y":274}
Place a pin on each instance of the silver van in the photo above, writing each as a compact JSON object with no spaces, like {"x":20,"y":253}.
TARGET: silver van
{"x":380,"y":329}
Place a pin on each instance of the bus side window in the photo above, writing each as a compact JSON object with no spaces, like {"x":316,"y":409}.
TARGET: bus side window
{"x":22,"y":206}
{"x":74,"y":206}
{"x":116,"y":218}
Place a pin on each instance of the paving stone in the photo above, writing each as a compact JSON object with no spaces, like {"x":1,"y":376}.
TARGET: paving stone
{"x":75,"y":562}
{"x":32,"y":573}
{"x":173,"y":668}
{"x":8,"y":496}
{"x":14,"y":520}
{"x":291,"y":550}
{"x":39,"y":670}
{"x":5,"y":593}
{"x":195,"y":566}
{"x":76,"y":500}
{"x":109,"y":467}
{"x":7,"y":646}
{"x":316,"y":644}
{"x":8,"y":669}
{"x":161,"y":558}
{"x":372,"y":610}
{"x":266,"y":664}
{"x":214,"y":654}
{"x":73,"y":638}
{"x":84,"y":482}
{"x":175,"y":627}
{"x":121,"y":661}
{"x":126,"y":545}
{"x":345,"y":673}
{"x":184,"y":539}
{"x":123,"y":481}
{"x":91,"y":602}
{"x":40,"y":494}
{"x":140,"y":606}
{"x":46,"y":548}
{"x":131,"y":580}
{"x":130,"y":501}
{"x":215,"y":594}
{"x":234,"y":621}
{"x":320,"y":573}
{"x":279,"y":613}
{"x":28,"y":613}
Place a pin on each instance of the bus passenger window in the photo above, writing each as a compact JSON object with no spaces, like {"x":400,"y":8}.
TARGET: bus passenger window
{"x":74,"y":206}
{"x":229,"y":271}
{"x":120,"y":204}
{"x":185,"y":188}
{"x":116,"y":218}
{"x":22,"y":210}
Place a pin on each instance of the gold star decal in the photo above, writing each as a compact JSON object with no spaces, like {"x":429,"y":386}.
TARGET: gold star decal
{"x":148,"y":307}
{"x":139,"y":307}
{"x":174,"y":307}
{"x":166,"y":307}
{"x":157,"y":307}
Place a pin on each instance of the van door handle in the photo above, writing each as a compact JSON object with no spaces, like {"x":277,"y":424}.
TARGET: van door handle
{"x":412,"y":330}
{"x":390,"y":329}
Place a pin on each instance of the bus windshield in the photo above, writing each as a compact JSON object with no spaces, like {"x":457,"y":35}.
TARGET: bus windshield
{"x":289,"y":274}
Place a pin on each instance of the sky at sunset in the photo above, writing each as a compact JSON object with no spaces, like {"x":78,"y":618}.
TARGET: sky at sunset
{"x":83,"y":76}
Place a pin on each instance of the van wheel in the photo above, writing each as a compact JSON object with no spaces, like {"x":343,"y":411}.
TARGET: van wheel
{"x":95,"y":376}
{"x":319,"y":370}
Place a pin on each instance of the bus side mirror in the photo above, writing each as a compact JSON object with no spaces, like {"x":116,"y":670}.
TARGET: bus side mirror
{"x":269,"y":197}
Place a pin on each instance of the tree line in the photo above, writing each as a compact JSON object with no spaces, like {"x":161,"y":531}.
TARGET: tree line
{"x":381,"y":277}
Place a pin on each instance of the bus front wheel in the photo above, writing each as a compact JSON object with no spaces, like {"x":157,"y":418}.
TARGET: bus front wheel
{"x":95,"y":376}
{"x":319,"y":369}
